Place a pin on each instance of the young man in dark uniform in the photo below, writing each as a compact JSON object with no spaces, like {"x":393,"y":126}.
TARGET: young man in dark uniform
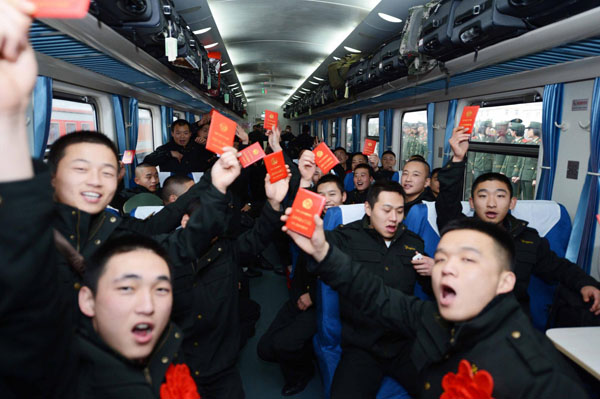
{"x":181,"y":155}
{"x":475,"y":327}
{"x":492,"y":198}
{"x":385,"y":248}
{"x":363,"y":177}
{"x":415,"y":182}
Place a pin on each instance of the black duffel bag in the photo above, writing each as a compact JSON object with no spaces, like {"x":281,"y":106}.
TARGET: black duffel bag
{"x":544,"y":12}
{"x":436,"y":33}
{"x":391,"y":65}
{"x":479,"y":23}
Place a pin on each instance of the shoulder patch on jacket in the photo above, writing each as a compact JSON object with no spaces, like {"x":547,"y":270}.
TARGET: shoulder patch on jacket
{"x":526,"y":242}
{"x":528,"y":353}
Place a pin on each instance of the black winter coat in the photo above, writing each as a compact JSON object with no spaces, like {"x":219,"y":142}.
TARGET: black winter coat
{"x":533,"y":253}
{"x":501,"y":340}
{"x":196,"y":158}
{"x":393,"y":265}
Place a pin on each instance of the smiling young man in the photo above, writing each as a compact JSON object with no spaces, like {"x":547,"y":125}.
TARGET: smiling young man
{"x":385,"y":248}
{"x":492,"y":199}
{"x":475,"y":322}
{"x":363,"y":177}
{"x":181,"y":155}
{"x":415,"y":182}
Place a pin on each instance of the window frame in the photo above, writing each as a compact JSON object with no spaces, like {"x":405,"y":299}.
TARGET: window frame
{"x":346,"y":143}
{"x":152,"y":135}
{"x":399,"y":157}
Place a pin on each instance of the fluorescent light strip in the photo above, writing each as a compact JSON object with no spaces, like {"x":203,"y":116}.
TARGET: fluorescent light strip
{"x":201,"y":31}
{"x":319,"y":79}
{"x":352,"y":50}
{"x":389,"y":18}
{"x":211,"y":45}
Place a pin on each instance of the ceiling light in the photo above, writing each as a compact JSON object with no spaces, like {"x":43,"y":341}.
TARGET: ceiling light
{"x":225,"y":71}
{"x":233,"y":85}
{"x":313,"y":83}
{"x":319,"y":79}
{"x":389,"y":18}
{"x":201,"y":31}
{"x":216,"y":44}
{"x":223,"y":64}
{"x":350,"y":49}
{"x":336,"y":58}
{"x":235,"y":88}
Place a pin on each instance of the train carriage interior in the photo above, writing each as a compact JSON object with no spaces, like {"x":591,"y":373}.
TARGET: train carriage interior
{"x":399,"y":72}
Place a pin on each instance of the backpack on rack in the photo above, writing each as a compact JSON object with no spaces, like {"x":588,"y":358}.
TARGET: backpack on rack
{"x":416,"y":62}
{"x":338,"y":70}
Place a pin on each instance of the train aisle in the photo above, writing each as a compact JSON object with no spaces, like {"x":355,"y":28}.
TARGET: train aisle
{"x":263,"y":380}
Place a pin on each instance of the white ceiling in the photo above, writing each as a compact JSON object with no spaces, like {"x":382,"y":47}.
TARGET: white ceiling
{"x":278,"y":44}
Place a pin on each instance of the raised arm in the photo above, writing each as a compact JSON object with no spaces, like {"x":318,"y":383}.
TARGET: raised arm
{"x":18,"y":71}
{"x":447,"y":203}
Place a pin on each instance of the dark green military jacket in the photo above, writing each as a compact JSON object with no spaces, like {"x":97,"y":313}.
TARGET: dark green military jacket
{"x":533,"y":253}
{"x":393,"y":265}
{"x":526,"y":168}
{"x":510,"y":165}
{"x":501,"y":340}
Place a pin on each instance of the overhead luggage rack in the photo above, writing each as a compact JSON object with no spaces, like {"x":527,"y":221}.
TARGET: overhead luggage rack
{"x":97,"y":48}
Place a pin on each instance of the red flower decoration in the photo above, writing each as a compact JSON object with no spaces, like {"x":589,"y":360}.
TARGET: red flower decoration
{"x":466,"y":384}
{"x":179,"y":384}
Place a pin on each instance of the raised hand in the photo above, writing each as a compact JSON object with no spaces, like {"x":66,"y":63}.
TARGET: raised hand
{"x":199,"y":140}
{"x":277,"y":191}
{"x":225,"y":170}
{"x":316,"y":246}
{"x":307,"y":168}
{"x":274,"y":137}
{"x":423,"y":266}
{"x":374,"y":161}
{"x":241,"y":133}
{"x":459,"y":142}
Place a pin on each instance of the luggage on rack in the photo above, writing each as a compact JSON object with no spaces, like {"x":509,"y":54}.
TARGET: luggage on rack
{"x":417,"y":63}
{"x":338,"y":70}
{"x":479,"y":23}
{"x":391,"y":65}
{"x":357,"y":74}
{"x":373,"y":78}
{"x":436,"y":33}
{"x":543,"y":12}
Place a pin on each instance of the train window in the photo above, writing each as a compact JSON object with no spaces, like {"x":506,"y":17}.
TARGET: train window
{"x":349,"y":134}
{"x":145,"y":139}
{"x":333,"y":142}
{"x":178,"y":115}
{"x":506,"y":140}
{"x":70,"y":116}
{"x":414,"y":134}
{"x":373,"y":126}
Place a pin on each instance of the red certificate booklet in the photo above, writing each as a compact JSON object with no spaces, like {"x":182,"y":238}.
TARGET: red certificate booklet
{"x":271,"y":119}
{"x":220,"y":134}
{"x":251,"y":154}
{"x":275,"y":164}
{"x":306,"y":205}
{"x":369,"y":147}
{"x":128,"y":157}
{"x":324,"y":158}
{"x":61,"y":8}
{"x":468,"y":117}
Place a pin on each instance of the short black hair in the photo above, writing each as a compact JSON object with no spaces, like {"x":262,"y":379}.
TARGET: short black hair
{"x":58,"y":149}
{"x":435,"y":171}
{"x":384,"y":185}
{"x":340,"y":148}
{"x":503,"y":240}
{"x":306,"y":129}
{"x":115,"y":246}
{"x":388,"y":152}
{"x":420,"y":160}
{"x":331,"y":179}
{"x":492,"y":176}
{"x":416,"y":157}
{"x":173,"y":186}
{"x":365,"y":166}
{"x":180,"y":122}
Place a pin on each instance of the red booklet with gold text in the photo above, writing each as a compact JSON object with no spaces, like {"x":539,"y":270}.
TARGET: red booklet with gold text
{"x":251,"y":154}
{"x":369,"y":147}
{"x":468,"y":117}
{"x":324,"y":158}
{"x":61,"y":8}
{"x":275,"y":164}
{"x":306,"y":205}
{"x":270,"y":119}
{"x":220,"y":134}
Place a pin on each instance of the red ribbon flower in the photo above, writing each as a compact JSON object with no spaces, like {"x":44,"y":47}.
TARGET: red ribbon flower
{"x":466,"y":384}
{"x":178,"y":384}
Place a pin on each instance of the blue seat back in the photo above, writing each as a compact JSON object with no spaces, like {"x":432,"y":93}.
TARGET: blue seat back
{"x":549,"y":218}
{"x":349,"y":182}
{"x":327,"y":341}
